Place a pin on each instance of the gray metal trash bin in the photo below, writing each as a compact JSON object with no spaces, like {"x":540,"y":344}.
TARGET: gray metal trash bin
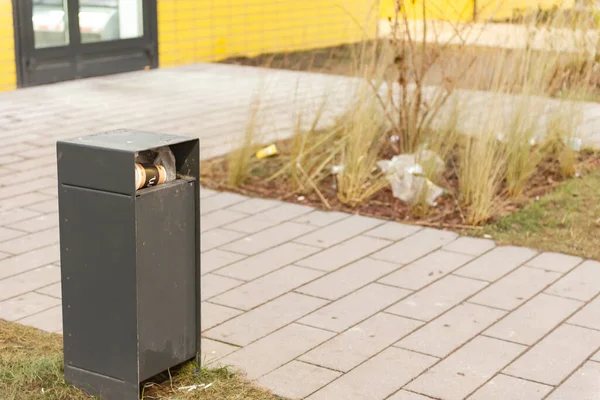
{"x":130,"y":262}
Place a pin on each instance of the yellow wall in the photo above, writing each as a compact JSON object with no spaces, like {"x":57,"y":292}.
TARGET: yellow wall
{"x":451,"y":10}
{"x":205,"y":30}
{"x":8,"y":74}
{"x":455,"y":10}
{"x":503,"y":9}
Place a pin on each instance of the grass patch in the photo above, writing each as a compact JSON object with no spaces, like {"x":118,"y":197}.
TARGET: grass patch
{"x":31,"y":368}
{"x":566,"y":220}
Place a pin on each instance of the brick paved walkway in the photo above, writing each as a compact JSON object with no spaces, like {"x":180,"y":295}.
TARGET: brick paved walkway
{"x":311,"y":304}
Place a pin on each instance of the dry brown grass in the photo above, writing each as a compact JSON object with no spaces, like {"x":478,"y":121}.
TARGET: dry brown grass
{"x":363,"y":131}
{"x":241,"y":157}
{"x":480,"y":176}
{"x":31,"y":368}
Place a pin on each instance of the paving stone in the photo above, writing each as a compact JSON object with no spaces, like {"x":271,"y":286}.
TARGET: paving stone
{"x":49,"y":320}
{"x":297,"y":380}
{"x":38,"y":152}
{"x":339,"y":231}
{"x":204,"y":192}
{"x":7,"y":234}
{"x":26,"y":187}
{"x":268,"y":238}
{"x":26,"y":305}
{"x":393,"y":231}
{"x":344,"y":253}
{"x":321,"y":218}
{"x":254,"y":324}
{"x":215,"y":259}
{"x":583,"y":283}
{"x":448,"y":332}
{"x":496,"y":263}
{"x":471,"y":246}
{"x":218,"y":218}
{"x":23,"y":200}
{"x":378,"y":377}
{"x":415,"y":246}
{"x":466,"y":369}
{"x":534,"y":319}
{"x":277,"y":349}
{"x":213,"y":314}
{"x":15,"y":215}
{"x":268,"y":261}
{"x":28,"y":281}
{"x":425,"y":270}
{"x":557,"y":355}
{"x":360,"y":342}
{"x":53,"y":290}
{"x":32,"y":174}
{"x":36,"y":224}
{"x":268,"y":218}
{"x":28,"y":261}
{"x":217,"y":237}
{"x":347,"y":279}
{"x":267,"y":287}
{"x":596,"y":357}
{"x":516,"y":288}
{"x":357,"y":306}
{"x":555,"y":262}
{"x":10,"y":159}
{"x":37,"y":162}
{"x":219,"y":201}
{"x":503,"y":387}
{"x":589,"y":316}
{"x":212,"y":285}
{"x":51,"y":191}
{"x":30,"y":241}
{"x":584,"y":384}
{"x":18,"y":138}
{"x":254,"y":206}
{"x":437,"y":298}
{"x":406,"y":395}
{"x":212,"y":351}
{"x":48,"y":206}
{"x":15,"y":148}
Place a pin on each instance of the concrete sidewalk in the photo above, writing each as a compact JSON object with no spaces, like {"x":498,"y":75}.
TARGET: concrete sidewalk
{"x":310,"y":304}
{"x":500,"y":35}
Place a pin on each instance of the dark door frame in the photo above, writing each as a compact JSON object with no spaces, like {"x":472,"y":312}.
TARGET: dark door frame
{"x":85,"y":59}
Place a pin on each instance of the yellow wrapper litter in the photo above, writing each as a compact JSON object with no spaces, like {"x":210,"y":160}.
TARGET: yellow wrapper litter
{"x":268,"y":151}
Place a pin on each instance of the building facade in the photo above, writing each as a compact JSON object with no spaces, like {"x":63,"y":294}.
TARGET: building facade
{"x":45,"y":41}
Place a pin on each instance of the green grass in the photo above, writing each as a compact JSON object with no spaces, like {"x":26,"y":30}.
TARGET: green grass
{"x":566,"y":220}
{"x":31,"y":368}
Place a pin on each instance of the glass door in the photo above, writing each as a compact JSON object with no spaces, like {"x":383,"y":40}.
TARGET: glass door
{"x":106,"y":20}
{"x":69,"y":39}
{"x":50,"y":19}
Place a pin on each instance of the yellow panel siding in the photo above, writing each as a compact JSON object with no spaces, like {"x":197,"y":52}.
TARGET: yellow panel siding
{"x":8,"y":74}
{"x":447,"y":10}
{"x":504,"y":9}
{"x":207,"y":30}
{"x":462,"y":10}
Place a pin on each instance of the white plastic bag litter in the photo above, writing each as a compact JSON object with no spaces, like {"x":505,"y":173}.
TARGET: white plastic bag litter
{"x":406,"y":176}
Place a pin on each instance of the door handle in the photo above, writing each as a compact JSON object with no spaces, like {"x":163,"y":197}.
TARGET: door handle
{"x":30,"y":64}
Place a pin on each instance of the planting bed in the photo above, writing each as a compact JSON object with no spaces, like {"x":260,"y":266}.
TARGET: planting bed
{"x":448,"y":213}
